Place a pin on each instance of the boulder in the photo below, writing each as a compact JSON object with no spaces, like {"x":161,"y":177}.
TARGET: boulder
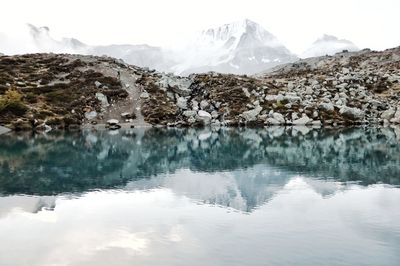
{"x":103,"y":99}
{"x":182,"y":103}
{"x":177,"y":84}
{"x":279,"y":117}
{"x":189,"y":113}
{"x":204,"y":104}
{"x":204,"y":117}
{"x":144,"y":95}
{"x":352,"y":113}
{"x":112,"y":122}
{"x":304,"y":120}
{"x":91,"y":115}
{"x":4,"y":130}
{"x":388,"y":114}
{"x":251,"y":115}
{"x":326,"y":107}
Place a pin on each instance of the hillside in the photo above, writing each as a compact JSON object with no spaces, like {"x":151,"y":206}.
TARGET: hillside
{"x":49,"y":90}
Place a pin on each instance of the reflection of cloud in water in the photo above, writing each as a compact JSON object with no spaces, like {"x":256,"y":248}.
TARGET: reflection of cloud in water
{"x":159,"y":227}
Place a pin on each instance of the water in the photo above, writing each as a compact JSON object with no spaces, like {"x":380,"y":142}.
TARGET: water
{"x":201,"y":197}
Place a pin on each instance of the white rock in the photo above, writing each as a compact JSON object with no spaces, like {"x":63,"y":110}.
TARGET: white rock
{"x":203,"y":104}
{"x":304,"y":120}
{"x":251,"y":115}
{"x":103,"y":99}
{"x":181,"y":103}
{"x":112,"y":122}
{"x":204,"y":117}
{"x":279,"y":117}
{"x":189,"y":113}
{"x":352,"y":113}
{"x":327,"y":107}
{"x":388,"y":114}
{"x":144,"y":95}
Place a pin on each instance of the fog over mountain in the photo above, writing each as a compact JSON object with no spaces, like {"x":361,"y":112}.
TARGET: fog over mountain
{"x":329,"y":45}
{"x":242,"y":47}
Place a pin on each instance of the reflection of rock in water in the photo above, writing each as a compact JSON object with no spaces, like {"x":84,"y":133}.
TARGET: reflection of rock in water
{"x":31,"y":204}
{"x":70,"y":162}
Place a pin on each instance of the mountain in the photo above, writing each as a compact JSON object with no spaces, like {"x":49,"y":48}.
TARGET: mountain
{"x":45,"y":43}
{"x":242,"y":47}
{"x":329,"y":45}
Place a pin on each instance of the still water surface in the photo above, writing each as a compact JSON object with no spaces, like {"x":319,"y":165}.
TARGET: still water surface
{"x":200,"y":197}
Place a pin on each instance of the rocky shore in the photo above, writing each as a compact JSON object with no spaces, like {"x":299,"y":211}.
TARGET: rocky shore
{"x":46,"y":91}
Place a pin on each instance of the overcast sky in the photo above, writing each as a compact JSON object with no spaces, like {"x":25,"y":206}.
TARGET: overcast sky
{"x":297,"y":23}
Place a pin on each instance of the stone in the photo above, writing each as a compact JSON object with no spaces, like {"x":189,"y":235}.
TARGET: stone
{"x":304,"y":120}
{"x":352,"y":113}
{"x":326,"y":107}
{"x":189,"y":113}
{"x":204,"y":104}
{"x":182,"y":103}
{"x":91,"y":115}
{"x":251,"y":115}
{"x":4,"y":130}
{"x":97,"y":84}
{"x":204,"y":117}
{"x":388,"y":114}
{"x":345,"y":70}
{"x":127,"y":115}
{"x":271,"y":98}
{"x":112,"y":122}
{"x":279,"y":117}
{"x":103,"y":99}
{"x":309,"y":91}
{"x":246,"y":92}
{"x":177,"y":84}
{"x":144,"y":95}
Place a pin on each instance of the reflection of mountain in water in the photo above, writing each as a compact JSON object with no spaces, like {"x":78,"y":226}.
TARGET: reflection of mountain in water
{"x":241,"y":168}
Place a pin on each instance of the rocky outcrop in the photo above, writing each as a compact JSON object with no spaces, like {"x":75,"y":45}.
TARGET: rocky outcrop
{"x":344,"y":89}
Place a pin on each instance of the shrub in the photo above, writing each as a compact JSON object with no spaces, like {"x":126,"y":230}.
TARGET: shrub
{"x":11,"y":102}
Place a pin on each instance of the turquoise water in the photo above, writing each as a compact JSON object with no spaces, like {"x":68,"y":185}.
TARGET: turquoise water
{"x":201,"y":197}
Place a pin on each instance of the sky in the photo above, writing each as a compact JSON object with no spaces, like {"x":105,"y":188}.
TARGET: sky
{"x":296,"y":23}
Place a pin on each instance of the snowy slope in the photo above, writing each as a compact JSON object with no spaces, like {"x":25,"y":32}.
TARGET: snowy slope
{"x":329,"y":45}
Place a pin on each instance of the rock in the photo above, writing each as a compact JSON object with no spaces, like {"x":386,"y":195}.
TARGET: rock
{"x":112,"y":122}
{"x":271,"y":98}
{"x":128,"y":115}
{"x":182,"y":103}
{"x":279,"y":117}
{"x":292,"y":99}
{"x":304,"y":120}
{"x":176,"y":84}
{"x":203,"y":104}
{"x":251,"y":115}
{"x":144,"y":95}
{"x":204,"y":117}
{"x":195,"y":105}
{"x":91,"y":115}
{"x":388,"y":114}
{"x":189,"y":113}
{"x":326,"y":107}
{"x":4,"y":130}
{"x":246,"y":92}
{"x":396,"y":117}
{"x":98,"y":84}
{"x":345,"y":70}
{"x":103,"y":99}
{"x":272,"y":121}
{"x":352,"y":113}
{"x":309,"y":91}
